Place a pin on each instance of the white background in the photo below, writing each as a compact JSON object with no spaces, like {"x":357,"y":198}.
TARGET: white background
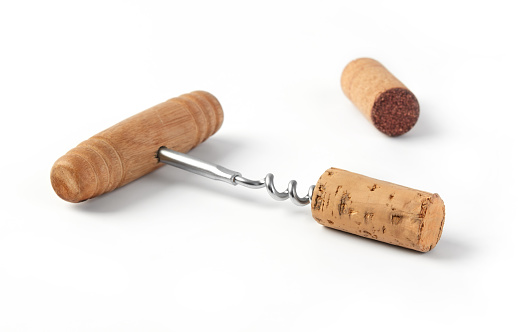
{"x":177,"y":252}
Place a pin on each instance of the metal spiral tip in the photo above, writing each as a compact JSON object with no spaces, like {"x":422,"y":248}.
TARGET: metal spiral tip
{"x":289,"y":193}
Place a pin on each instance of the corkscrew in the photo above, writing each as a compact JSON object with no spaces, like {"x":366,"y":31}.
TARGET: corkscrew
{"x":161,"y":135}
{"x":220,"y":173}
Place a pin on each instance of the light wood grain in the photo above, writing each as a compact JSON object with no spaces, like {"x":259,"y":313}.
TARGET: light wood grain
{"x":378,"y":210}
{"x":127,"y":150}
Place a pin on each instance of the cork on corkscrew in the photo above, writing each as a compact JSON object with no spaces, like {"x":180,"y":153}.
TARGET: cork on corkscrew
{"x":386,"y":102}
{"x":378,"y":210}
{"x":346,"y":201}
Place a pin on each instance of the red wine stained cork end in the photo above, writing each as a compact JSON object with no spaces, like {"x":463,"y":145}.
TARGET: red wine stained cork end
{"x":386,"y":102}
{"x":395,"y":112}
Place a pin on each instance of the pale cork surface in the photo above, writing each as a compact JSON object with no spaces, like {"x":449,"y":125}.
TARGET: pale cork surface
{"x":378,"y":210}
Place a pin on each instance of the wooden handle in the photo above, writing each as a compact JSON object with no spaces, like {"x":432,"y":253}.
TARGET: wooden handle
{"x":380,"y":96}
{"x":127,"y":150}
{"x":378,"y":210}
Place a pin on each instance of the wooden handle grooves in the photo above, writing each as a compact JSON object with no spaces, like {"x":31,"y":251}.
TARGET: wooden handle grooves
{"x":126,"y":151}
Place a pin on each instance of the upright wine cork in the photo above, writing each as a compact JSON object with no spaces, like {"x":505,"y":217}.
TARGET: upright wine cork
{"x":380,"y":96}
{"x":127,"y":150}
{"x":378,"y":210}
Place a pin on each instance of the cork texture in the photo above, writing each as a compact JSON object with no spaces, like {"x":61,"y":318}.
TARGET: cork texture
{"x":386,"y":102}
{"x":378,"y":210}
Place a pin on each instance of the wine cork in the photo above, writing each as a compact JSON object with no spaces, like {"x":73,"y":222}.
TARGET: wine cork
{"x":386,"y":102}
{"x":378,"y":210}
{"x":127,"y":150}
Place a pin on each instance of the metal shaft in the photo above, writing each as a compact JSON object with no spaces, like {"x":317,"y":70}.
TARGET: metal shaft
{"x":220,"y":173}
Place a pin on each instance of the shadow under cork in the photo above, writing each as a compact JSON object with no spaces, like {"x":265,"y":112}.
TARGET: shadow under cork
{"x":426,"y":126}
{"x":446,"y":249}
{"x":451,"y":249}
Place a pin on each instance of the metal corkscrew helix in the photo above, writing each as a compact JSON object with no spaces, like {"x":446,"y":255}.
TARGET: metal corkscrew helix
{"x":217,"y":172}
